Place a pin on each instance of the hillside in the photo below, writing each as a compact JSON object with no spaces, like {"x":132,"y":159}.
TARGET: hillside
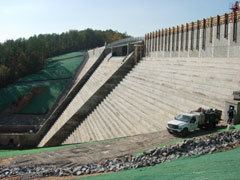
{"x":37,"y":93}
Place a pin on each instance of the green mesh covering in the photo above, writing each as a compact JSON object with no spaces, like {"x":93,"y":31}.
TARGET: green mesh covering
{"x":61,"y":69}
{"x":53,"y":79}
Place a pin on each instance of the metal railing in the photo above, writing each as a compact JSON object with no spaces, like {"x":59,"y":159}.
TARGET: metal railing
{"x":125,"y":42}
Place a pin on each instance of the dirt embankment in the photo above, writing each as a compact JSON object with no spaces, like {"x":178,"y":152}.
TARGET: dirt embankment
{"x":92,"y":152}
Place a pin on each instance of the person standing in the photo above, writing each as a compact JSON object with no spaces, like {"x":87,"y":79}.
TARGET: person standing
{"x":231,"y":114}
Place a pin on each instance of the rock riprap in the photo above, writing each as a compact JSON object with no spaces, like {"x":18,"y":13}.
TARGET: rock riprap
{"x":190,"y":147}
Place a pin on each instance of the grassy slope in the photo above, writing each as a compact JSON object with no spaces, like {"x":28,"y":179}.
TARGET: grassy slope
{"x":12,"y":153}
{"x":223,"y":165}
{"x":54,"y":78}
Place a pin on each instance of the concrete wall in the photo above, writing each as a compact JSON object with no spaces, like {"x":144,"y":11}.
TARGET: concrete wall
{"x":212,"y":37}
{"x":186,"y":67}
{"x":96,"y":88}
{"x":155,"y":91}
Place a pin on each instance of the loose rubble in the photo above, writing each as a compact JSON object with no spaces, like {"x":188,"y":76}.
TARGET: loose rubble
{"x":190,"y":147}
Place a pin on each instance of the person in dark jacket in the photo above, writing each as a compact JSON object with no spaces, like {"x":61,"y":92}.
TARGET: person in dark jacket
{"x":230,"y":115}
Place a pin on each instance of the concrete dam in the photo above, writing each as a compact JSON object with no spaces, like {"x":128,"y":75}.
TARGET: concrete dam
{"x":135,"y":86}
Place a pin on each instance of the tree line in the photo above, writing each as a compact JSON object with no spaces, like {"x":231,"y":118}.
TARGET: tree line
{"x":21,"y":57}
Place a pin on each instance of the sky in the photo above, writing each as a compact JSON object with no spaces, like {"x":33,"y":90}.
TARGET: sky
{"x":24,"y":18}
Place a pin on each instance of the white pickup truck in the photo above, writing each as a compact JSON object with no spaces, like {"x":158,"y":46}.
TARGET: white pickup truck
{"x":189,"y":122}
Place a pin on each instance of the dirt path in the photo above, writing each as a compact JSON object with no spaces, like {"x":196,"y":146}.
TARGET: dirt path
{"x":92,"y":152}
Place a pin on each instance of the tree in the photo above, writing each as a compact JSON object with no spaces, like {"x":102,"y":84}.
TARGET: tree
{"x":4,"y":74}
{"x":24,"y":56}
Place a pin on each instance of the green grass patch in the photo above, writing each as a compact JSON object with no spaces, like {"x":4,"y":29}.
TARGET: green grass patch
{"x":12,"y":153}
{"x":237,"y":126}
{"x":55,"y":77}
{"x":223,"y":165}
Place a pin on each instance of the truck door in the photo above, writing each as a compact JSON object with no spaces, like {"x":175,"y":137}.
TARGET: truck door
{"x":193,"y":124}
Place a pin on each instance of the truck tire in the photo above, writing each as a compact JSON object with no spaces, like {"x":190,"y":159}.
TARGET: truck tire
{"x":201,"y":127}
{"x":169,"y":131}
{"x":185,"y":132}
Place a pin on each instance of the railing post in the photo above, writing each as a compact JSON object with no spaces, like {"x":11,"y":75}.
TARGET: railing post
{"x":128,"y":48}
{"x":138,"y":52}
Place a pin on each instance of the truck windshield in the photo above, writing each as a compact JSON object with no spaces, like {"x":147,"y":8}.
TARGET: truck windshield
{"x":183,"y":118}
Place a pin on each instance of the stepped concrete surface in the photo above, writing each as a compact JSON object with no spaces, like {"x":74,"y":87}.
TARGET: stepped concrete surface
{"x":156,"y":90}
{"x":86,"y":99}
{"x":93,"y":56}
